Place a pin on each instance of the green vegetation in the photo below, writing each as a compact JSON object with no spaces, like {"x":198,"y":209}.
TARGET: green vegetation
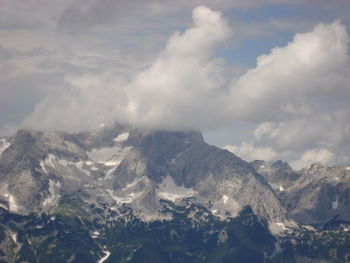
{"x":194,"y":235}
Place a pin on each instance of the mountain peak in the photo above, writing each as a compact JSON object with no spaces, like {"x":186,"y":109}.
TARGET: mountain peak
{"x":137,"y":168}
{"x":279,"y":164}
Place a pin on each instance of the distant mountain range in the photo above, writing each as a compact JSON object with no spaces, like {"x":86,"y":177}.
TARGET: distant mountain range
{"x":122,"y":194}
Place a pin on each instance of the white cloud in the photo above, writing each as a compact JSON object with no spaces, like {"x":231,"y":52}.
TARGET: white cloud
{"x":7,"y":129}
{"x":181,"y":89}
{"x":299,"y":96}
{"x":292,"y":134}
{"x":285,"y":81}
{"x":82,"y":105}
{"x":305,"y":140}
{"x":249,"y":152}
{"x":318,"y":155}
{"x":184,"y":88}
{"x":293,"y":94}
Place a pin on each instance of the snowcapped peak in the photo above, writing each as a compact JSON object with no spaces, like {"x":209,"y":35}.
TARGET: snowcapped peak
{"x":122,"y":137}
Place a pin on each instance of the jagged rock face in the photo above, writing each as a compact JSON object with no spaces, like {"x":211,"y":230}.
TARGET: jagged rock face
{"x":314,"y":195}
{"x":180,"y":165}
{"x":127,"y":195}
{"x":279,"y":174}
{"x":24,"y":179}
{"x":130,"y":167}
{"x":320,"y":194}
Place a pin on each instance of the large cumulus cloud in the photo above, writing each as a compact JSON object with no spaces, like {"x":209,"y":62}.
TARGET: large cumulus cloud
{"x":182,"y":89}
{"x":298,"y":95}
{"x":291,"y":78}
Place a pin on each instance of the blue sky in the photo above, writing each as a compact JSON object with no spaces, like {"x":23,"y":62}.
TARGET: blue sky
{"x":71,"y":65}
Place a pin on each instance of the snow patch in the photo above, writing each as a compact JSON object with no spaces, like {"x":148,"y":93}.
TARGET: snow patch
{"x":124,"y":200}
{"x":78,"y":165}
{"x":3,"y":206}
{"x":347,"y":167}
{"x":14,"y":237}
{"x":170,"y":191}
{"x":225,"y":199}
{"x":4,"y":144}
{"x":95,"y":234}
{"x":277,"y":227}
{"x":281,"y":225}
{"x":12,"y":204}
{"x":105,"y":257}
{"x":114,"y":161}
{"x":109,"y":156}
{"x":49,"y":160}
{"x":134,"y":183}
{"x":311,"y":228}
{"x":122,"y":137}
{"x":281,"y":188}
{"x":42,"y":165}
{"x":54,"y":196}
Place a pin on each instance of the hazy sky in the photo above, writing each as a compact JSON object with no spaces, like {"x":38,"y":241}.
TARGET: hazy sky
{"x":268,"y":79}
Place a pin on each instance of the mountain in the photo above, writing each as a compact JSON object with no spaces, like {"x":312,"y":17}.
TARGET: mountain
{"x":279,"y":174}
{"x":325,"y":190}
{"x":314,"y":195}
{"x":130,"y":166}
{"x":122,"y":194}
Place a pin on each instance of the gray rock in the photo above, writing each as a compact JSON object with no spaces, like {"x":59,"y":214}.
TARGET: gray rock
{"x":124,"y":166}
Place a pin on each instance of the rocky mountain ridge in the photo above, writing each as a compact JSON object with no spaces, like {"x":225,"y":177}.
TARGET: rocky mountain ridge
{"x":131,"y":167}
{"x":314,"y":195}
{"x":122,"y":194}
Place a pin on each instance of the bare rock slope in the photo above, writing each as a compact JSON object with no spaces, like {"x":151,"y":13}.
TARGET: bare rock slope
{"x":129,"y":167}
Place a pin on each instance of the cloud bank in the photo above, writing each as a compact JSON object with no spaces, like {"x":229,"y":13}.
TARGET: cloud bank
{"x":183,"y":88}
{"x":298,"y":95}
